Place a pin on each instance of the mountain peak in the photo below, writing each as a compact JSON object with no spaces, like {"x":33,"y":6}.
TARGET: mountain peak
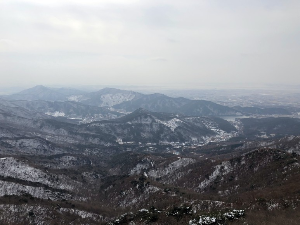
{"x":108,"y":90}
{"x":40,"y":86}
{"x":36,"y":93}
{"x":37,"y":88}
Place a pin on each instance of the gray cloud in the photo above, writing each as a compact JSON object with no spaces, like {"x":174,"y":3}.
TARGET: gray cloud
{"x":149,"y":42}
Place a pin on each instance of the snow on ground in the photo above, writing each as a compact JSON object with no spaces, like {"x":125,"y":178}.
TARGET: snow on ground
{"x":83,"y":214}
{"x":160,"y":172}
{"x":220,"y":170}
{"x":132,"y":199}
{"x":114,"y":99}
{"x":55,"y":114}
{"x":6,"y":133}
{"x":172,"y":124}
{"x":10,"y":188}
{"x":138,"y":168}
{"x":75,"y":98}
{"x":26,"y":143}
{"x":11,"y":214}
{"x":66,"y":161}
{"x":11,"y":167}
{"x":143,"y":120}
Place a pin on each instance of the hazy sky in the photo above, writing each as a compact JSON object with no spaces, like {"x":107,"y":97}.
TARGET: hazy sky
{"x":149,"y":42}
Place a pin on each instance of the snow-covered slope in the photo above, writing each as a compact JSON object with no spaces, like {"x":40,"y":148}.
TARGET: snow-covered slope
{"x":14,"y":168}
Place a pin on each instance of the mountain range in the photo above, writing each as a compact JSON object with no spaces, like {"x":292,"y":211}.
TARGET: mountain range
{"x":141,"y":188}
{"x":145,"y":126}
{"x":124,"y":101}
{"x":72,"y":157}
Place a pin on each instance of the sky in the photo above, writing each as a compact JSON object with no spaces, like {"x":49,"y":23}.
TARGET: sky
{"x":173,"y":43}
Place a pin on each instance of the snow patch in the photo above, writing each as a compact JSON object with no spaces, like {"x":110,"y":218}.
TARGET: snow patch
{"x":17,"y":169}
{"x":75,"y":98}
{"x":114,"y":99}
{"x":172,"y":124}
{"x":220,"y":170}
{"x":10,"y":188}
{"x":182,"y":162}
{"x":55,"y":114}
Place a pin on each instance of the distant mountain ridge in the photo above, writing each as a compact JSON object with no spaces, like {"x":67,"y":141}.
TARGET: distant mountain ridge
{"x":145,"y":126}
{"x":154,"y":102}
{"x":128,"y":101}
{"x":109,"y":97}
{"x":41,"y":92}
{"x":138,"y":126}
{"x":71,"y":110}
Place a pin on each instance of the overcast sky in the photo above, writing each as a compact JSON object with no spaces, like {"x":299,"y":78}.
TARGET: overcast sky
{"x":149,"y":42}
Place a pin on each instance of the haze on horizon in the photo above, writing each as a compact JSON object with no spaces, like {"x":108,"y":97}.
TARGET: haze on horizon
{"x":133,"y":42}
